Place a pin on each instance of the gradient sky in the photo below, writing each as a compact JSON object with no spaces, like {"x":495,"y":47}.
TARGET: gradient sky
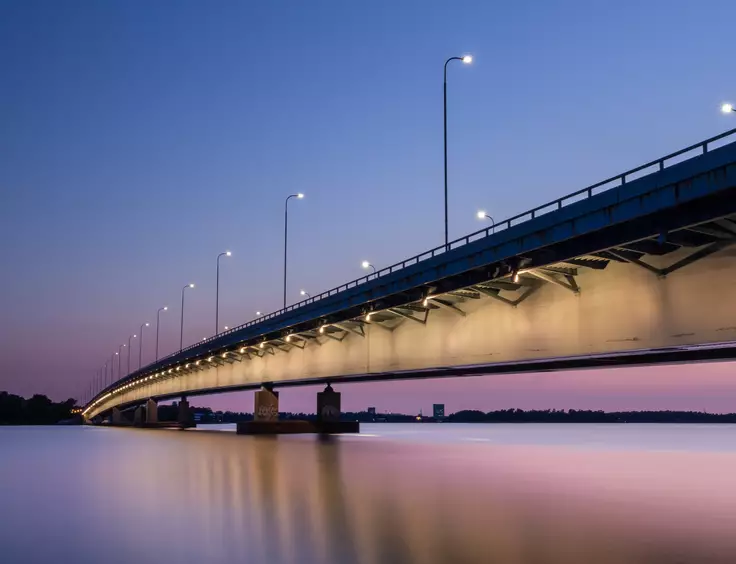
{"x":139,"y":139}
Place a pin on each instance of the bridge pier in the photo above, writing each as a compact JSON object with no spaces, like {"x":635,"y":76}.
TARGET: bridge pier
{"x":117,"y":417}
{"x":185,"y":417}
{"x":151,"y":411}
{"x":266,"y":416}
{"x":138,"y":416}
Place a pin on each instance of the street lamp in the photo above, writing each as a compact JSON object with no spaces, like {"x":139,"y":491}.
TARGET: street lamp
{"x":158,"y":318}
{"x":129,"y":347}
{"x":226,"y":327}
{"x":120,"y":350}
{"x":305,"y":293}
{"x":365,"y":264}
{"x":140,"y":345}
{"x":467,"y":59}
{"x":112,"y":367}
{"x":217,"y":292}
{"x":286,"y":233}
{"x":727,"y":108}
{"x":181,"y":330}
{"x":483,"y":215}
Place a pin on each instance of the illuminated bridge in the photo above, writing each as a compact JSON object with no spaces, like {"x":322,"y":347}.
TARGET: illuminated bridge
{"x":637,"y":269}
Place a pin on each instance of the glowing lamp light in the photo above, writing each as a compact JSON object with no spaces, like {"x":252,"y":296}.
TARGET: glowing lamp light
{"x":727,"y":108}
{"x":365,"y":264}
{"x":288,"y":338}
{"x":166,"y":308}
{"x":242,"y":350}
{"x":261,"y":345}
{"x":322,"y":329}
{"x":467,"y":59}
{"x":210,"y":359}
{"x":300,"y":195}
{"x":481,"y":214}
{"x":228,"y":254}
{"x":191,"y":285}
{"x":516,"y":277}
{"x":368,"y":316}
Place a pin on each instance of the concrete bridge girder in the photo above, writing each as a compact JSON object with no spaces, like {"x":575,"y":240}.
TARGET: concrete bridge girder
{"x":622,"y":307}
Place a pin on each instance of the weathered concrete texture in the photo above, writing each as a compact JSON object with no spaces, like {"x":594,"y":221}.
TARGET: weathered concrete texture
{"x":296,"y":427}
{"x":139,"y":416}
{"x":266,"y":405}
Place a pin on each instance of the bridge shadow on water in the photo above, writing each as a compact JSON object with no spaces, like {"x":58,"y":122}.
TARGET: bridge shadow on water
{"x":148,"y":496}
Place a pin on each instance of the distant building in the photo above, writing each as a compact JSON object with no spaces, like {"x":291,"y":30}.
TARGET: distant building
{"x":371,"y":411}
{"x":438,"y":410}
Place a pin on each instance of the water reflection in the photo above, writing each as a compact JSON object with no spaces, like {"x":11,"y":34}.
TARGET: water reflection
{"x":124,"y":495}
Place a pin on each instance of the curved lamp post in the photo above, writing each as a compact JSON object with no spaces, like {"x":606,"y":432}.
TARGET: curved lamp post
{"x":483,"y":215}
{"x":140,"y":345}
{"x":467,"y":59}
{"x":305,"y":293}
{"x":129,"y":347}
{"x":217,"y":292}
{"x":181,"y":329}
{"x":286,"y":233}
{"x":158,"y":318}
{"x":366,"y":265}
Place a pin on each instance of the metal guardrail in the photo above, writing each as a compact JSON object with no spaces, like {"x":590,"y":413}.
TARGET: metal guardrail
{"x":594,"y":189}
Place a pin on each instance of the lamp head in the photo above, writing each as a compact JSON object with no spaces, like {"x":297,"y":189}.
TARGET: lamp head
{"x":303,"y":292}
{"x":365,"y":264}
{"x":166,"y":308}
{"x":467,"y":59}
{"x":191,"y":285}
{"x":300,"y":195}
{"x":147,"y":325}
{"x":481,"y":214}
{"x":228,"y":253}
{"x":258,"y":313}
{"x":727,"y":108}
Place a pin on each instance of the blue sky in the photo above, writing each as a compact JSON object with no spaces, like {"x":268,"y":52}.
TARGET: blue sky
{"x":140,"y":139}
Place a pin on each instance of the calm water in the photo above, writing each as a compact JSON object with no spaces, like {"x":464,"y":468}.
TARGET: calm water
{"x":396,"y":494}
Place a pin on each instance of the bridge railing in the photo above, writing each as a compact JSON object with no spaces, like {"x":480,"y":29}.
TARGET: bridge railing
{"x":594,"y":189}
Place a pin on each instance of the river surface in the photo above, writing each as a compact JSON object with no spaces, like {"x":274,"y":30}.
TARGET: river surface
{"x":411,"y":493}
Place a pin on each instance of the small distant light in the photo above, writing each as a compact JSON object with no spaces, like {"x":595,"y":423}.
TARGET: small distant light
{"x":467,"y":59}
{"x":516,"y":277}
{"x":187,"y":366}
{"x":224,"y":355}
{"x":258,"y":313}
{"x":166,"y":308}
{"x":178,"y":368}
{"x":261,"y":345}
{"x":210,"y":359}
{"x":322,"y":329}
{"x":368,"y":316}
{"x":288,"y":338}
{"x":148,"y":324}
{"x":727,"y":108}
{"x":170,"y":370}
{"x":197,"y":363}
{"x":242,"y":350}
{"x":228,"y":253}
{"x":226,"y":327}
{"x":300,"y":195}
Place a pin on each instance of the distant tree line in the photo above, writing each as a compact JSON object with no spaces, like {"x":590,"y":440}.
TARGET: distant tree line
{"x":38,"y":410}
{"x":588,"y":416}
{"x":206,"y":415}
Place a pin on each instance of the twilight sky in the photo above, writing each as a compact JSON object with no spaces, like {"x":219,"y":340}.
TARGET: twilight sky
{"x":139,"y":139}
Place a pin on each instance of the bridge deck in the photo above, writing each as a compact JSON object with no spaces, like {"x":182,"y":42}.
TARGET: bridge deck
{"x":622,"y":219}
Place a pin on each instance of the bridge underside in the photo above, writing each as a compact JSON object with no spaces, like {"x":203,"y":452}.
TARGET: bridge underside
{"x":586,"y":302}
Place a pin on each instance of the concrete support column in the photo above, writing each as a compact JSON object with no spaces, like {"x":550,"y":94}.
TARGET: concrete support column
{"x":117,"y":417}
{"x":138,"y":416}
{"x":266,"y":405}
{"x":328,"y":405}
{"x":151,"y":411}
{"x":185,"y":416}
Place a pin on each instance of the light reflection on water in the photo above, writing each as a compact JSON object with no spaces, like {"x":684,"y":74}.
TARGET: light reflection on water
{"x":420,"y":494}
